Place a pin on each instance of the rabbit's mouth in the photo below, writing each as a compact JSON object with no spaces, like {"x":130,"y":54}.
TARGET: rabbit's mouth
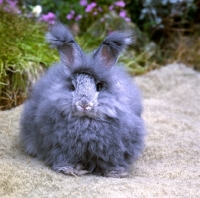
{"x":85,"y":109}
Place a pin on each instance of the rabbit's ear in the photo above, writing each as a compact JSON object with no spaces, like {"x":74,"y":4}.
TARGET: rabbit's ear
{"x":59,"y":36}
{"x":112,"y":46}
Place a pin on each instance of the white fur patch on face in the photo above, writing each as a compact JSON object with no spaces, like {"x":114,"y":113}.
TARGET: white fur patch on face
{"x":85,"y":95}
{"x":128,"y":41}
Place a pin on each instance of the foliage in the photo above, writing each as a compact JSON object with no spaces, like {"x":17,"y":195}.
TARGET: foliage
{"x":173,"y":25}
{"x":58,"y":7}
{"x":84,"y":11}
{"x":160,"y":18}
{"x":22,"y":52}
{"x":184,"y":49}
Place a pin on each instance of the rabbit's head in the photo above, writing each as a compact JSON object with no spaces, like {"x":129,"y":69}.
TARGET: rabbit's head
{"x":91,"y":76}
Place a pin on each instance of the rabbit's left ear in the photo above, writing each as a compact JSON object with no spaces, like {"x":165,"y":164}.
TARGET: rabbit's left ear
{"x":59,"y":36}
{"x":112,"y":46}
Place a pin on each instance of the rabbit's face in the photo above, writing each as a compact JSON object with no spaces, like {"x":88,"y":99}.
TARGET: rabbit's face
{"x":85,"y":91}
{"x":90,"y":97}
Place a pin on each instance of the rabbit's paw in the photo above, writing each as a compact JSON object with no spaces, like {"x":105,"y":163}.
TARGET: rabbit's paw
{"x":119,"y":172}
{"x":76,"y":170}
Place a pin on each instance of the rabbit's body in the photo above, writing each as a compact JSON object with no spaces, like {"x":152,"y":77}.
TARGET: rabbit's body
{"x":84,"y":115}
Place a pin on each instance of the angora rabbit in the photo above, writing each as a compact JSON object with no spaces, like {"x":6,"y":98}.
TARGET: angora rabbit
{"x":84,"y":114}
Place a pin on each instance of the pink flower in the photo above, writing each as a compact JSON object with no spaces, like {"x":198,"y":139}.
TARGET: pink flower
{"x":11,"y":3}
{"x":90,"y":7}
{"x":11,"y":6}
{"x":50,"y":18}
{"x":122,"y":14}
{"x":100,"y":9}
{"x":111,"y":7}
{"x":70,"y":15}
{"x":120,"y":3}
{"x":51,"y":15}
{"x":93,"y":4}
{"x":72,"y":11}
{"x":78,"y":17}
{"x":83,"y":2}
{"x":127,"y":19}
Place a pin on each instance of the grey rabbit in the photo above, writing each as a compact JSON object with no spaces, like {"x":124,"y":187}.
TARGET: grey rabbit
{"x":84,"y":114}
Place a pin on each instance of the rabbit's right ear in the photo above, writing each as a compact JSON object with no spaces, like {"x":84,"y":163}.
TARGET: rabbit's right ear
{"x":59,"y":36}
{"x":112,"y":46}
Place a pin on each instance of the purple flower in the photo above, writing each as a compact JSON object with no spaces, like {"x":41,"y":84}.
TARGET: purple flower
{"x":120,"y":3}
{"x":72,"y":12}
{"x":50,"y":18}
{"x":70,"y":15}
{"x":100,"y":9}
{"x":122,"y":14}
{"x":11,"y":3}
{"x":127,"y":19}
{"x":111,"y":7}
{"x":83,"y":2}
{"x":93,"y":4}
{"x":51,"y":15}
{"x":90,"y":7}
{"x":78,"y":17}
{"x":11,"y":6}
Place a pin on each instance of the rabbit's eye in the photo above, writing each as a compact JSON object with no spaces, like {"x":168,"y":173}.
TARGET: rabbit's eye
{"x":99,"y":86}
{"x":72,"y":87}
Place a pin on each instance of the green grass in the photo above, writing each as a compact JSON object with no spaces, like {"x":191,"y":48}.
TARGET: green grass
{"x":23,"y":51}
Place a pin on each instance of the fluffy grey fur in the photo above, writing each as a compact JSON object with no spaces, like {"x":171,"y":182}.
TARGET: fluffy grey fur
{"x":84,"y":114}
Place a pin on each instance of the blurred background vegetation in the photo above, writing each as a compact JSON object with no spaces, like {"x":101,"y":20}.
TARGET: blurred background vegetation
{"x":164,"y":31}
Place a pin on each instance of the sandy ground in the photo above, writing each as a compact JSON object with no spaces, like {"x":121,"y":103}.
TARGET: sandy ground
{"x":169,"y":167}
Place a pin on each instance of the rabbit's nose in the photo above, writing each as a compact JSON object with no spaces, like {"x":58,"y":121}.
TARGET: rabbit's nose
{"x":84,"y":105}
{"x":84,"y":102}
